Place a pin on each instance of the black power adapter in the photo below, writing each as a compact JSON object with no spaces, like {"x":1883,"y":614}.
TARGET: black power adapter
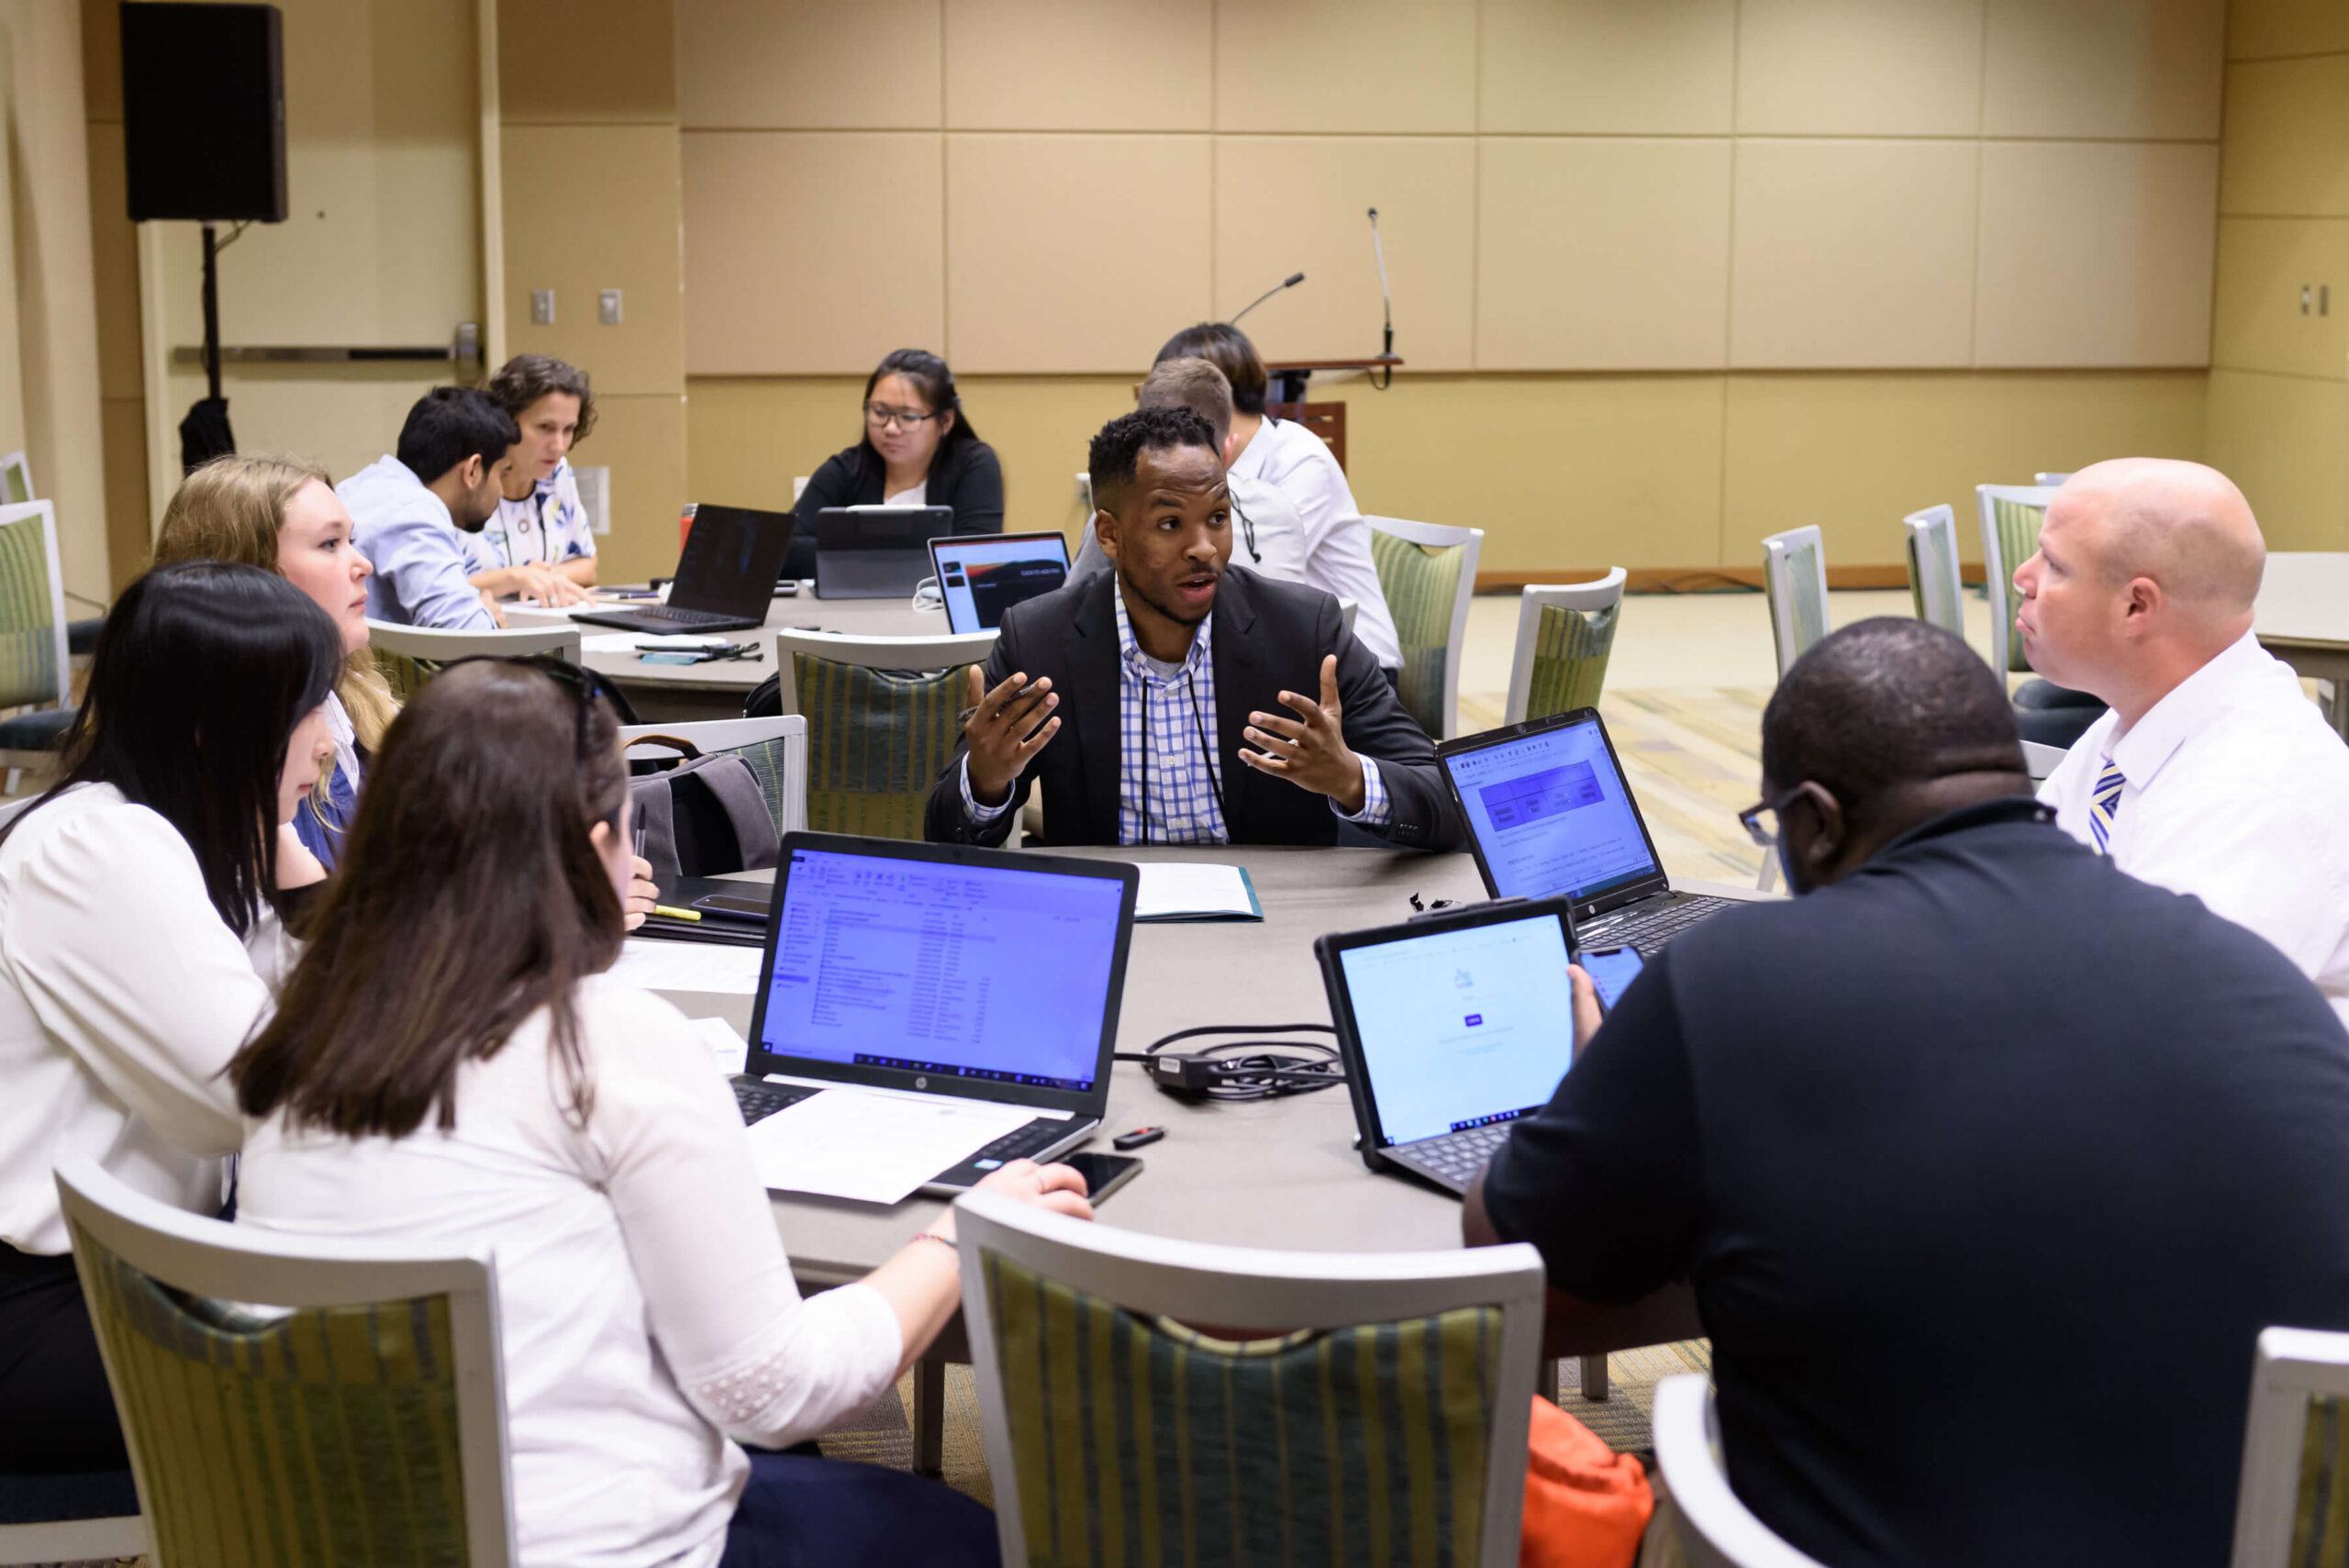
{"x":1241,"y":1069}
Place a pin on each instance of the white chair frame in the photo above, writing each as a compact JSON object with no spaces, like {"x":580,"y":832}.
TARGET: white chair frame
{"x":1715,"y":1529}
{"x":875,"y":653}
{"x":1933,"y":543}
{"x":2039,"y":760}
{"x":1471,"y":543}
{"x":2051,"y":481}
{"x":1600,"y":594}
{"x":725,"y":735}
{"x":1777,"y":579}
{"x":444,"y":646}
{"x":16,"y":762}
{"x":2290,"y":1365}
{"x":1196,"y":1282}
{"x":232,"y":1263}
{"x":1996,"y":569}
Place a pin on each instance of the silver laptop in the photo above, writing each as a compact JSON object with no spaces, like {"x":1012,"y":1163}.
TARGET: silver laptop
{"x":982,"y":575}
{"x":937,"y":968}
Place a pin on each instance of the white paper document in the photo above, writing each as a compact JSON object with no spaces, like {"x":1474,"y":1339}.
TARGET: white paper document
{"x":873,"y":1147}
{"x":732,"y":1052}
{"x":656,"y":965}
{"x":630,"y":641}
{"x":1192,"y":890}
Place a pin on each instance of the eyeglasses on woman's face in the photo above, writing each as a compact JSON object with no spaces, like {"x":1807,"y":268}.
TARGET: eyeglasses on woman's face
{"x":881,"y":416}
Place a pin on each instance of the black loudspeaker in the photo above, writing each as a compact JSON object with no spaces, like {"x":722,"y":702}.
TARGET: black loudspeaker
{"x":204,"y":111}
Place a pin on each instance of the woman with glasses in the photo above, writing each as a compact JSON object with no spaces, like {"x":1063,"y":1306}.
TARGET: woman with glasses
{"x":580,"y":1129}
{"x":139,"y":929}
{"x":917,"y":450}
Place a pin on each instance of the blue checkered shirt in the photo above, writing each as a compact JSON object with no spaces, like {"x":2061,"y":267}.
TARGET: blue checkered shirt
{"x":1165,"y":782}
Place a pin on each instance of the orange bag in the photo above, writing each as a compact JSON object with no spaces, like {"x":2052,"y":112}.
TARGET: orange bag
{"x":1585,"y":1506}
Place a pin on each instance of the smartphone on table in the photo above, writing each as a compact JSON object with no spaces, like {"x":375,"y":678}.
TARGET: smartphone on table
{"x":1103,"y":1173}
{"x":1611,"y":970}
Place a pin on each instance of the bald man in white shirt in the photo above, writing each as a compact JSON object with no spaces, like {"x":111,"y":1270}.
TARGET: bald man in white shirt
{"x":2213,"y":774}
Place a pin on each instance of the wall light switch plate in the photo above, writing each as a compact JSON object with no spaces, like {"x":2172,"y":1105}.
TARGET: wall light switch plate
{"x":608,"y":307}
{"x":542,"y":308}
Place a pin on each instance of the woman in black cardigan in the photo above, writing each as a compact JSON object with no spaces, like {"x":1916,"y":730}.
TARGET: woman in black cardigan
{"x":917,"y":450}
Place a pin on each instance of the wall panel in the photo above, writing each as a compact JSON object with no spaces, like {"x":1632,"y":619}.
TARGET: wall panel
{"x":2256,"y":321}
{"x":574,"y":61}
{"x":2280,"y":437}
{"x":767,"y":291}
{"x":1070,"y":64}
{"x":2285,"y":149}
{"x":1286,"y":203}
{"x":1393,"y":67}
{"x":1600,"y":253}
{"x":591,"y":207}
{"x":2103,"y":68}
{"x":1859,"y":67}
{"x":2259,"y":29}
{"x":808,"y":64}
{"x":1852,"y":253}
{"x":1663,"y":67}
{"x":1073,"y":253}
{"x":2124,"y":279}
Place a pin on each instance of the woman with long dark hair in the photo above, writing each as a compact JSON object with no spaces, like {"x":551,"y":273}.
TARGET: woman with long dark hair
{"x":449,"y":1066}
{"x":136,"y":898}
{"x":918,"y":450}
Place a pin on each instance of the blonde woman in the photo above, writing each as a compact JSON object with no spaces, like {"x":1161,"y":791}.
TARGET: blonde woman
{"x":282,"y":514}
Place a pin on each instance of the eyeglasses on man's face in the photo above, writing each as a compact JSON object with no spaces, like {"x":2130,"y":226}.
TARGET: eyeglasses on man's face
{"x":1760,"y":819}
{"x":881,"y":417}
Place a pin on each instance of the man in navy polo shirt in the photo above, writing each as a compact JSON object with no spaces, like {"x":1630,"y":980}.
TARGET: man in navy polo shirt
{"x":1988,"y":1162}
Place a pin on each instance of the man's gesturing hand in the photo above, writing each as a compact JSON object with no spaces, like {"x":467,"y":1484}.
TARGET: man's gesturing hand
{"x":1003,"y":733}
{"x":1310,"y":750}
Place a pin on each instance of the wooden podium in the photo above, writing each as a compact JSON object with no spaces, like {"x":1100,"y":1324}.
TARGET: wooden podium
{"x":1285,"y":397}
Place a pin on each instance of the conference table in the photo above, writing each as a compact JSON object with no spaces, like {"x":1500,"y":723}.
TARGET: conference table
{"x":1280,"y":1173}
{"x":682,"y":694}
{"x":2302,"y":617}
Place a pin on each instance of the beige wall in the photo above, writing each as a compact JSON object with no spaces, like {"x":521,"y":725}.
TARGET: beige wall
{"x":2279,"y":377}
{"x":1563,"y":185}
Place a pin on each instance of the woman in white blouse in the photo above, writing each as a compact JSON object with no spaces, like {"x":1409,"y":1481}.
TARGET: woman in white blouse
{"x":524,"y":1099}
{"x":137,"y":898}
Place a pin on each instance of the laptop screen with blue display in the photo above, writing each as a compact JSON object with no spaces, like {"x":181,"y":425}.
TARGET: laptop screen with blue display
{"x":1465,"y":1026}
{"x":1551,"y":814}
{"x":973,"y":972}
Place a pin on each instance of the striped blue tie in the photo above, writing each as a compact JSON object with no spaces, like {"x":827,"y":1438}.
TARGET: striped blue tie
{"x":2104,"y":805}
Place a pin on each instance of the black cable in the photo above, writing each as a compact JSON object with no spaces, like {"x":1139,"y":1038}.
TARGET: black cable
{"x":1241,"y":1069}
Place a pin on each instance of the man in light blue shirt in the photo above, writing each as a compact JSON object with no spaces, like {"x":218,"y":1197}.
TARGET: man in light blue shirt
{"x":411,"y":527}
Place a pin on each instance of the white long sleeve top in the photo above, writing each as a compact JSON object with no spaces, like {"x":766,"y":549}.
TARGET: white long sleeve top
{"x":2237,"y":792}
{"x":646,"y":1307}
{"x":1285,"y":454}
{"x":123,"y":995}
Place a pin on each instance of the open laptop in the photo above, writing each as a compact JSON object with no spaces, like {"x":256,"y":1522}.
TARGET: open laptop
{"x":725,"y":575}
{"x":875,"y":552}
{"x":934,"y":969}
{"x":1451,"y":1026}
{"x":1550,"y":816}
{"x":982,"y":575}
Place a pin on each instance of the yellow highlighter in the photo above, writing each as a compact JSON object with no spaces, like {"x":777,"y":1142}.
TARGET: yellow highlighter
{"x":676,"y":914}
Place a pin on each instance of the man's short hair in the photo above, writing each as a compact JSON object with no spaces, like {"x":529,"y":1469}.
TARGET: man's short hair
{"x":1227,"y":347}
{"x":1192,"y":384}
{"x":1886,"y":702}
{"x":449,"y":424}
{"x":1118,"y":447}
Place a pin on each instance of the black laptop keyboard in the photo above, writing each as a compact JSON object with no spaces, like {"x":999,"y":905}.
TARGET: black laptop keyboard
{"x":761,"y":1099}
{"x":682,"y":616}
{"x":1650,"y":930}
{"x":1021,"y":1143}
{"x":1460,"y":1156}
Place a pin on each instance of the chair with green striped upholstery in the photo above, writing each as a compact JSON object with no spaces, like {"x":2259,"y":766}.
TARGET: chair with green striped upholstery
{"x":775,"y":748}
{"x":1428,"y":575}
{"x":34,"y":668}
{"x":1564,"y":636}
{"x":883,"y":713}
{"x":1935,"y":588}
{"x":408,"y":655}
{"x":359,"y":1416}
{"x":2292,"y":1507}
{"x":2011,"y":514}
{"x":1794,"y":575}
{"x":1385,"y":1422}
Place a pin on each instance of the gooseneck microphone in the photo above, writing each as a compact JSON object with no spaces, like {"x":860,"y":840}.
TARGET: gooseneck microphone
{"x":1289,"y":282}
{"x":1385,"y":301}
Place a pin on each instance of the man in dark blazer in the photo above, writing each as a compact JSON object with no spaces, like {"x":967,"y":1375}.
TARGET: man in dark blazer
{"x":1208,"y":704}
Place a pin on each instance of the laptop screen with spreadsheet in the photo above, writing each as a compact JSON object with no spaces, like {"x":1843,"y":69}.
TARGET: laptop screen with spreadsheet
{"x":1550,"y":813}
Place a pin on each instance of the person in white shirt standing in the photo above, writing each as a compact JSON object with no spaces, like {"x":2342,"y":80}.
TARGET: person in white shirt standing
{"x":1292,"y":458}
{"x":139,"y":935}
{"x":539,"y":544}
{"x":2213,"y":774}
{"x":581,"y":1131}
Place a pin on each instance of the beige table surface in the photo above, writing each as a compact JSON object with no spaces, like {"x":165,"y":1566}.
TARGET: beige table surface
{"x":1274,"y":1173}
{"x":2302,"y":617}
